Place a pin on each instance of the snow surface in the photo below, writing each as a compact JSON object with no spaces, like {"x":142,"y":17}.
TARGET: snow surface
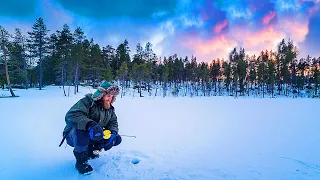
{"x":217,"y":138}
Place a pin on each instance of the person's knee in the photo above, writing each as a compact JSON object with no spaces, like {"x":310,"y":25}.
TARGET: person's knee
{"x":82,"y":138}
{"x":70,"y":136}
{"x":78,"y":139}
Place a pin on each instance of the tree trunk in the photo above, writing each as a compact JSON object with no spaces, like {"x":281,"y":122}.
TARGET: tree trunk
{"x":140,"y":89}
{"x":164,"y":89}
{"x":215,"y":85}
{"x":41,"y":70}
{"x":122,"y":88}
{"x":133,"y":92}
{"x":236,"y":89}
{"x":186,"y":89}
{"x":25,"y":70}
{"x":62,"y":81}
{"x":315,"y":88}
{"x":6,"y":67}
{"x":76,"y":78}
{"x":156,"y":89}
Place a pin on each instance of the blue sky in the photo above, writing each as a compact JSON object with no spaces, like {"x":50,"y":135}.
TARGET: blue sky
{"x":207,"y":29}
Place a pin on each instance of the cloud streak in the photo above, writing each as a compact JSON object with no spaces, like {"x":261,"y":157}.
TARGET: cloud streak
{"x":220,"y":26}
{"x":267,"y":18}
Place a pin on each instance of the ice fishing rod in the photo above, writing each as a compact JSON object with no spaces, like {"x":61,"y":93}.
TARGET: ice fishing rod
{"x":127,"y":135}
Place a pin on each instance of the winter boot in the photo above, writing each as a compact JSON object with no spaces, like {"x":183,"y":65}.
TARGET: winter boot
{"x":92,"y":152}
{"x":82,"y":162}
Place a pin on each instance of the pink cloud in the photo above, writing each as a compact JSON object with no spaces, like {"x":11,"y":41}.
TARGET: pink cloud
{"x":221,"y":25}
{"x":264,"y":38}
{"x":267,"y":18}
{"x":313,"y":10}
{"x":296,"y":30}
{"x":207,"y":50}
{"x":256,"y":41}
{"x":253,"y":40}
{"x":216,"y":45}
{"x":220,"y":47}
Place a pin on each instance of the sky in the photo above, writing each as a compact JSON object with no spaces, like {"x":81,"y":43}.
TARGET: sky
{"x":206,"y":29}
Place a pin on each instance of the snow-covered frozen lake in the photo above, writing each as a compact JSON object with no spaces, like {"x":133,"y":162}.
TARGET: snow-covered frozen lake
{"x":218,"y":138}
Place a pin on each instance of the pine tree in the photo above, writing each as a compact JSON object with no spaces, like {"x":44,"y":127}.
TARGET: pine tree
{"x":138,"y":57}
{"x":227,"y":73}
{"x":316,"y":77}
{"x":122,"y":55}
{"x":235,"y":77}
{"x":252,"y":75}
{"x":17,"y":63}
{"x":261,"y":76}
{"x":107,"y":74}
{"x":242,"y":69}
{"x":122,"y":76}
{"x":204,"y":76}
{"x":77,"y":55}
{"x":4,"y":40}
{"x":150,"y":59}
{"x":271,"y":76}
{"x":108,"y":55}
{"x":214,"y":73}
{"x":149,"y":74}
{"x":38,"y":40}
{"x":135,"y":76}
{"x":148,"y":52}
{"x":301,"y":68}
{"x":165,"y":77}
{"x":87,"y":63}
{"x":52,"y":60}
{"x":64,"y":49}
{"x":97,"y":63}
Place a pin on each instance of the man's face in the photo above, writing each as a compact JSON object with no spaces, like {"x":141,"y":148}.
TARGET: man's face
{"x":107,"y":99}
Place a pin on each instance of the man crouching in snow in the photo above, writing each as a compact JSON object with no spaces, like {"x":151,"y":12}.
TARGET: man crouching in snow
{"x":91,"y":124}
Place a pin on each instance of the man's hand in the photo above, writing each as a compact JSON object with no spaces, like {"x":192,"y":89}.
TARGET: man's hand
{"x":95,"y":131}
{"x":107,"y":134}
{"x":110,"y":137}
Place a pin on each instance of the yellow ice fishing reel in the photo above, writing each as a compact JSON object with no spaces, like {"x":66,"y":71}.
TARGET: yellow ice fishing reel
{"x":106,"y":134}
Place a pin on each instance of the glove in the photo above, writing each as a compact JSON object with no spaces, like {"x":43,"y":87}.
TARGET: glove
{"x":107,"y":134}
{"x":110,"y":138}
{"x":95,"y":131}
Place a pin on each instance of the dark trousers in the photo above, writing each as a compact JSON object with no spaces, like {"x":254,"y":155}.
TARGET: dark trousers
{"x":80,"y":140}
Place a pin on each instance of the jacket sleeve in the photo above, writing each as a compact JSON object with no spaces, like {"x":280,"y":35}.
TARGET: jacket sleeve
{"x":77,"y":116}
{"x":113,"y":122}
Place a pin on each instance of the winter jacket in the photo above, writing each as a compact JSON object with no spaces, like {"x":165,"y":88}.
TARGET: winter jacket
{"x":86,"y":110}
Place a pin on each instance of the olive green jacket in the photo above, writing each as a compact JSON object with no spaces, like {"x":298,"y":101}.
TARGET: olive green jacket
{"x":86,"y":110}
